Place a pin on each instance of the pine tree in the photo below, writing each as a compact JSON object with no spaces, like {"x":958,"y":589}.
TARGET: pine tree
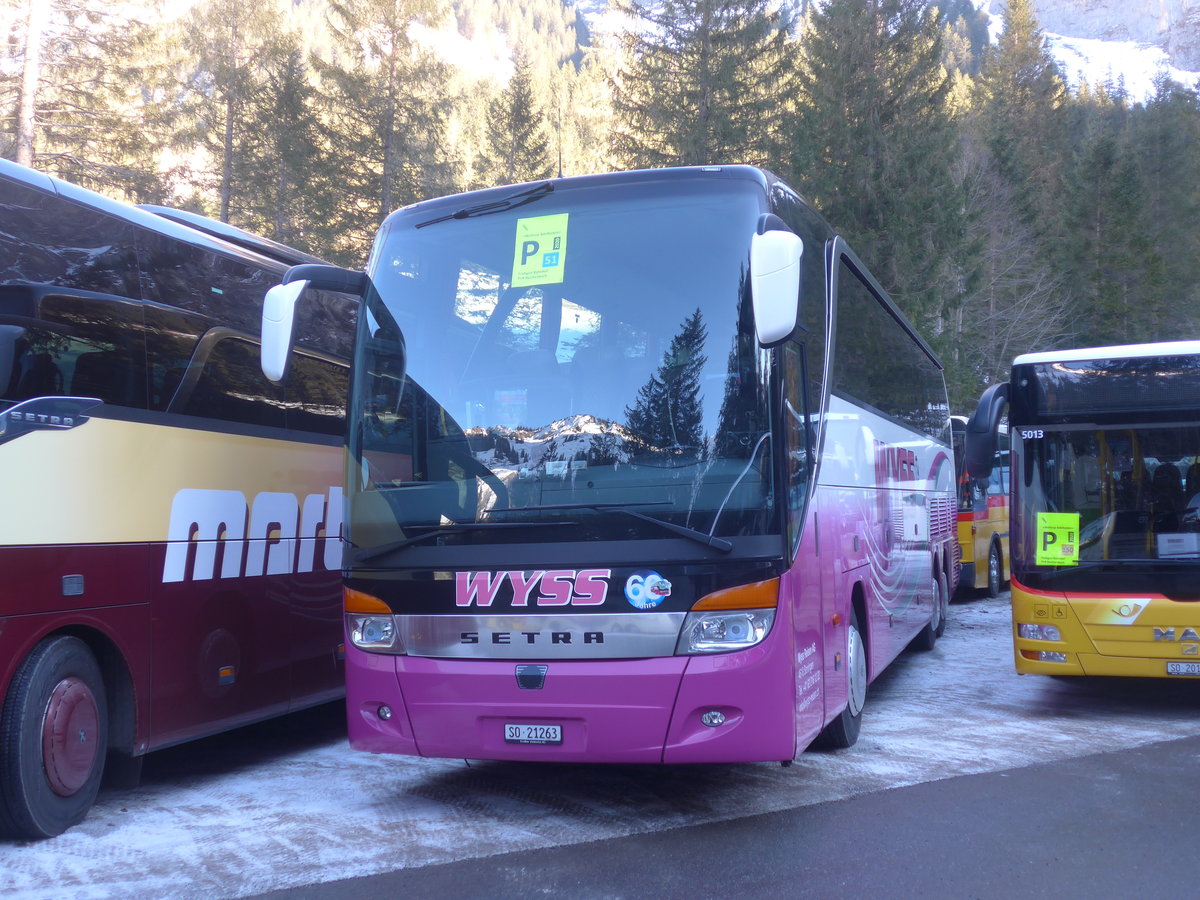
{"x":285,"y":190}
{"x":1017,"y":156}
{"x":518,"y":142}
{"x":1022,"y":101}
{"x":1118,"y":273}
{"x":222,"y":51}
{"x":1164,"y":137}
{"x":701,"y":82}
{"x":876,"y":148}
{"x":76,"y":96}
{"x":387,"y":110}
{"x":667,"y":413}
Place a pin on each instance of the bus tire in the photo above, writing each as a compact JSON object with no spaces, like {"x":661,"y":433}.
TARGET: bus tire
{"x":936,"y":626}
{"x":943,"y":593}
{"x":843,"y":731}
{"x":53,"y":737}
{"x":995,"y":571}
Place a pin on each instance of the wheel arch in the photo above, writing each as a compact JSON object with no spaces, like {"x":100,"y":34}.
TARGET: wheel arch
{"x":858,"y":603}
{"x":118,"y":684}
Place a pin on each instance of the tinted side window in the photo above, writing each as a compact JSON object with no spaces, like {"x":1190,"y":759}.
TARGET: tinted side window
{"x":172,"y":337}
{"x":231,"y":387}
{"x":75,"y":346}
{"x":201,"y":281}
{"x":316,"y":391}
{"x":878,"y":364}
{"x":49,"y":240}
{"x":798,"y":434}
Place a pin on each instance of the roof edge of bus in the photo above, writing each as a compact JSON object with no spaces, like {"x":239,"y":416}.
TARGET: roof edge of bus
{"x":751,"y":173}
{"x":129,"y":212}
{"x":232,"y":233}
{"x":1121,"y":351}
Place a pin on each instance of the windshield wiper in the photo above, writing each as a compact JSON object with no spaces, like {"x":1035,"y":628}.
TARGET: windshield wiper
{"x":366,"y":554}
{"x":510,"y":202}
{"x":691,"y":534}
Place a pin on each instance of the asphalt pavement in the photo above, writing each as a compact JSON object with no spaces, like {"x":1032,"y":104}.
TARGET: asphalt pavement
{"x":1113,"y":825}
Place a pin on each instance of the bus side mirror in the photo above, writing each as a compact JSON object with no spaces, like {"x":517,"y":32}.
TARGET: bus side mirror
{"x":775,"y":284}
{"x":279,"y":308}
{"x":278,"y":324}
{"x":980,"y":437}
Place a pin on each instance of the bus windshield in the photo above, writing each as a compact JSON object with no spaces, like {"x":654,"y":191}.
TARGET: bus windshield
{"x":579,"y":360}
{"x":1130,"y":496}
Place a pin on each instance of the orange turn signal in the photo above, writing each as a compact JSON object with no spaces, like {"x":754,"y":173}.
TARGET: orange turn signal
{"x":759,"y":595}
{"x":359,"y":602}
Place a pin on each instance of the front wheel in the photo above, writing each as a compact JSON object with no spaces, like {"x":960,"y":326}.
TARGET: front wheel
{"x":53,"y":731}
{"x":843,"y":731}
{"x":995,"y":571}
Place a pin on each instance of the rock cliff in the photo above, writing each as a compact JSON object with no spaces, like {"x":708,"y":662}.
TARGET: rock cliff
{"x":1173,"y":25}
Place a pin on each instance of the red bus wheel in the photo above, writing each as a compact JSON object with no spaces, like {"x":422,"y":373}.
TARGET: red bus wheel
{"x":53,"y":736}
{"x":71,"y":737}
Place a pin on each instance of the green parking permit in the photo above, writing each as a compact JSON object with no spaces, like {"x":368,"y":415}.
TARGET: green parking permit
{"x":540,"y":256}
{"x":1057,"y":539}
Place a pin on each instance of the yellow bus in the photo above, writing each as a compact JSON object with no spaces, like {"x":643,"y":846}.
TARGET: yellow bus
{"x":982,"y":518}
{"x":1105,"y":507}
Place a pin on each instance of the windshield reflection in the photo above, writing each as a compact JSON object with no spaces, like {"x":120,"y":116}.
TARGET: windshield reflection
{"x":630,"y":378}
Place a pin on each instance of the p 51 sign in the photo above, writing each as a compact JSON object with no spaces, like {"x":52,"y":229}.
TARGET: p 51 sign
{"x":1057,"y":539}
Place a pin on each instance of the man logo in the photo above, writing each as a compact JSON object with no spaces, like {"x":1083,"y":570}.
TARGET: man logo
{"x":272,"y":536}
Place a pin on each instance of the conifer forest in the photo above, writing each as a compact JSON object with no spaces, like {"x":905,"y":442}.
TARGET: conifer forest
{"x":1006,"y":207}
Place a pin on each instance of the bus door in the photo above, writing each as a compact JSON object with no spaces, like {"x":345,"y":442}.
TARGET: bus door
{"x":804,"y":592}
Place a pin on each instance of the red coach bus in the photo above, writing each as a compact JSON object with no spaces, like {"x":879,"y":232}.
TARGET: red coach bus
{"x":170,"y":517}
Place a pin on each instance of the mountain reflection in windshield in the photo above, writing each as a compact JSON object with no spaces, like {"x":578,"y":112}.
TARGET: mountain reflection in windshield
{"x":623,"y":379}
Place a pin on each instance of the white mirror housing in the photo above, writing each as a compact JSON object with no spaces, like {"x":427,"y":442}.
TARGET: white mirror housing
{"x":278,"y":323}
{"x":775,"y":284}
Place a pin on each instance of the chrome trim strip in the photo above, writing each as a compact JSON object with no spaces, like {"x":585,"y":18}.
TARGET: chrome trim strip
{"x":618,"y":636}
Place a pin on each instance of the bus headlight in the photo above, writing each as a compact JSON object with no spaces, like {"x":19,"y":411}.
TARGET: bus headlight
{"x":376,"y":633}
{"x":1039,"y":632}
{"x":721,"y":632}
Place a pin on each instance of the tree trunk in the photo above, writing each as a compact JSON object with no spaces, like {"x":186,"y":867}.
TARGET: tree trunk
{"x":39,"y":11}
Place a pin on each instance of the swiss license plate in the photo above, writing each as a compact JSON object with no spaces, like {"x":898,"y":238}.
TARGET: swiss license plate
{"x":1183,"y":668}
{"x":532,"y":734}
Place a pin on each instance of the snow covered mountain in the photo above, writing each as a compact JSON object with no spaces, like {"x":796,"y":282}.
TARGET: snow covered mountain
{"x":1171,"y":25}
{"x":1101,"y":41}
{"x":1119,"y":41}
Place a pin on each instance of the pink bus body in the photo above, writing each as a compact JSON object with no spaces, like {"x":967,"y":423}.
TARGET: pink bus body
{"x":593,"y":518}
{"x":167,"y":570}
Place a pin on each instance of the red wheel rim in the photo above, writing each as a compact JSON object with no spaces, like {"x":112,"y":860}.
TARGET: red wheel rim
{"x":70,"y":736}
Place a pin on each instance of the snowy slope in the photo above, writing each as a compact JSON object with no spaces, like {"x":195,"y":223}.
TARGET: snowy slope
{"x":1087,"y":47}
{"x":1083,"y":55}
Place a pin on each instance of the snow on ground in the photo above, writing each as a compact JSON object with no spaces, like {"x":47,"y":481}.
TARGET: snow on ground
{"x":287,"y":803}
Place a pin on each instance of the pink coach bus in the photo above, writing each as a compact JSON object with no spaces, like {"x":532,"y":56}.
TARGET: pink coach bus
{"x":169,"y":522}
{"x":642,"y":467}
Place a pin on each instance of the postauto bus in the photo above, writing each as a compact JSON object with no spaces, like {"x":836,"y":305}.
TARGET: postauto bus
{"x":1105,"y":508}
{"x":643,"y":467}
